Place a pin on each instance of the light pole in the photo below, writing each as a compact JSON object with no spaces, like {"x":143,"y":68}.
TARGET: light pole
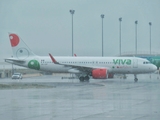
{"x":72,"y":12}
{"x":150,"y":24}
{"x":136,"y":22}
{"x":102,"y":16}
{"x":120,"y":20}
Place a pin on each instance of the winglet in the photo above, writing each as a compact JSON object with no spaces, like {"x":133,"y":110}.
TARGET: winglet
{"x":75,"y":55}
{"x":53,"y":60}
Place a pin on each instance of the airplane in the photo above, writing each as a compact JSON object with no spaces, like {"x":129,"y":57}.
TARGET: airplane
{"x":83,"y":67}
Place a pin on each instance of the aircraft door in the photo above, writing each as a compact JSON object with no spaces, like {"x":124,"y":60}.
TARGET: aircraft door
{"x":135,"y":63}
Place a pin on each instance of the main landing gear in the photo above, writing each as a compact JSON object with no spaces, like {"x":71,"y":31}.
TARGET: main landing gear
{"x":135,"y":78}
{"x":84,"y":78}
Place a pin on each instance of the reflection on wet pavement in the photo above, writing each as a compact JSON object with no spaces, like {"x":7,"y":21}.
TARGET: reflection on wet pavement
{"x":48,"y":97}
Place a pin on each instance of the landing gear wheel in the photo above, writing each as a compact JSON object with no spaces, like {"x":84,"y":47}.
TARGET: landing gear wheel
{"x":86,"y":78}
{"x":135,"y":79}
{"x":81,"y":79}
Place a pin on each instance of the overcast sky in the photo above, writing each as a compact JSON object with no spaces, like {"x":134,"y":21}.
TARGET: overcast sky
{"x":45,"y":26}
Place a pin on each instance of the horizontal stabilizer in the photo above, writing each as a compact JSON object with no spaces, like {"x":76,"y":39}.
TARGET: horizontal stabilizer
{"x":10,"y":60}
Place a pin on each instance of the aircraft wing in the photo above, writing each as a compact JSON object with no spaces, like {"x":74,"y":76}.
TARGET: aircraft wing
{"x":76,"y":67}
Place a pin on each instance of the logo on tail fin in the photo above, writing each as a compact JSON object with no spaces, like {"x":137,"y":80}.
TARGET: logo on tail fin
{"x":22,"y":53}
{"x":20,"y":49}
{"x":14,"y":40}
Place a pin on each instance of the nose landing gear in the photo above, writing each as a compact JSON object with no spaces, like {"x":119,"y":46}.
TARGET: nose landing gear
{"x":135,"y":78}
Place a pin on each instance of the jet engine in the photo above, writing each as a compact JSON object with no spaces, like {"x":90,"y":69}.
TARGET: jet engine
{"x":99,"y":73}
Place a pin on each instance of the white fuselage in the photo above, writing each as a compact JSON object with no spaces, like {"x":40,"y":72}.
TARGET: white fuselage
{"x":123,"y":65}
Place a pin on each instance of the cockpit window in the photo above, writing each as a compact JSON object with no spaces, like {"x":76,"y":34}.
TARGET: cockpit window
{"x":146,"y":62}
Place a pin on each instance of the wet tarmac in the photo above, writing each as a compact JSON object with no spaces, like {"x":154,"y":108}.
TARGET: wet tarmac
{"x":53,"y":98}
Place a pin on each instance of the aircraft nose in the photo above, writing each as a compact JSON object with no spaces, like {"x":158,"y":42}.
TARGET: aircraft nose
{"x":154,"y":68}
